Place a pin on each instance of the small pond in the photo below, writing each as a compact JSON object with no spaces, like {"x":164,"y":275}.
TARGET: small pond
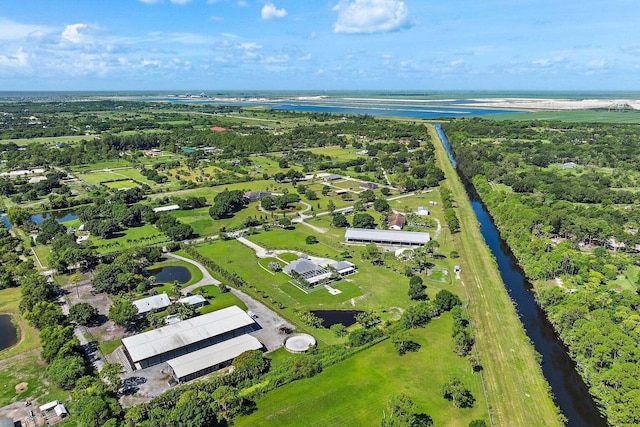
{"x":8,"y":333}
{"x":170,"y":273}
{"x":332,"y":317}
{"x":60,"y":216}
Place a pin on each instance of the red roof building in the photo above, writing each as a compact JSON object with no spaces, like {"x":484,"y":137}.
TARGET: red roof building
{"x":218,"y":129}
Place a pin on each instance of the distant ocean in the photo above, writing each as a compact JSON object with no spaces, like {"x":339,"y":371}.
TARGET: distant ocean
{"x":410,"y":104}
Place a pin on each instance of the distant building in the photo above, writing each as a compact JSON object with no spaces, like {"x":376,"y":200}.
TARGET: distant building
{"x":218,"y":129}
{"x":328,"y":176}
{"x":152,"y":303}
{"x":569,"y":165}
{"x":422,"y":211}
{"x":396,"y":221}
{"x":368,"y":186}
{"x":386,"y":237}
{"x":166,"y":208}
{"x":254,"y":196}
{"x":343,"y":268}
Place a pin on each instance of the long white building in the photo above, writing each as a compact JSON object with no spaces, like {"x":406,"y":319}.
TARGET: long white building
{"x":386,"y":237}
{"x":188,"y":336}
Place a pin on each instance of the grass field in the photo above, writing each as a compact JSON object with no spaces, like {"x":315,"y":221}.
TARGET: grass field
{"x":584,"y":116}
{"x":356,"y":391}
{"x":49,"y":140}
{"x":21,"y":363}
{"x":518,"y":392}
{"x":130,"y":238}
{"x":108,"y":164}
{"x":117,"y":185}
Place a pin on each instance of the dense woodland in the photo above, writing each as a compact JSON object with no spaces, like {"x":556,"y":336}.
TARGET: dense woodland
{"x":565,"y":198}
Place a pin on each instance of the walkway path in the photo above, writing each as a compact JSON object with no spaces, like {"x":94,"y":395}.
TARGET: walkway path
{"x":207,"y":278}
{"x":264,"y":253}
{"x":79,"y":331}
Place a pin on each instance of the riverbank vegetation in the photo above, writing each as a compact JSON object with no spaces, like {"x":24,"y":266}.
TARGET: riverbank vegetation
{"x":565,"y":198}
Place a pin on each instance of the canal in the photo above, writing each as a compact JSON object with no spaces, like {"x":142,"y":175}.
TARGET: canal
{"x":570,"y":392}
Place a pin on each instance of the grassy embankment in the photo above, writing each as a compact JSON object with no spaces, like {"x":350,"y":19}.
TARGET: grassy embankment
{"x":518,"y":393}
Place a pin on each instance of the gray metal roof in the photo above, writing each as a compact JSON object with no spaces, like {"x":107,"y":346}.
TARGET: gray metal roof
{"x":181,"y":334}
{"x":6,"y":422}
{"x":386,"y":236}
{"x":342,"y":266}
{"x":155,"y":302}
{"x":202,"y":359}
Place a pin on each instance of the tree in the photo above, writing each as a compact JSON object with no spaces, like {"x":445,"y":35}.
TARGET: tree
{"x":339,"y":220}
{"x":431,"y":247}
{"x":227,"y":403}
{"x":35,"y":288}
{"x":48,"y":229}
{"x":123,"y":312}
{"x":45,"y":314}
{"x":445,"y":300}
{"x":368,"y":319}
{"x":92,"y":410}
{"x":381,"y":205}
{"x":285,"y":222}
{"x":250,"y":364}
{"x":311,"y":195}
{"x":367,"y":196}
{"x":403,"y":413}
{"x":54,"y":338}
{"x":331,"y":206}
{"x":339,"y":330}
{"x":111,"y":372}
{"x":311,"y":240}
{"x":65,"y":371}
{"x":478,"y":423}
{"x":226,"y":203}
{"x":458,"y":393}
{"x":363,"y":220}
{"x":403,"y":342}
{"x":325,"y":190}
{"x":83,"y":313}
{"x":416,"y":288}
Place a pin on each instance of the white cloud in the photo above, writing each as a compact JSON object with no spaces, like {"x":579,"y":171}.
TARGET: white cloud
{"x":275,"y":59}
{"x":180,"y":1}
{"x":10,"y":30}
{"x":270,"y":11}
{"x":20,"y":59}
{"x":370,"y":16}
{"x":150,"y":1}
{"x":72,"y":33}
{"x":305,"y":57}
{"x":548,"y":62}
{"x":457,"y":62}
{"x":597,"y":64}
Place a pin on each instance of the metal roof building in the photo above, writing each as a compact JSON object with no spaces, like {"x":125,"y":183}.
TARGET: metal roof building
{"x":212,"y":358}
{"x":386,"y":237}
{"x":168,"y":342}
{"x":166,"y":208}
{"x":156,"y":302}
{"x":197,"y":300}
{"x":309,"y":271}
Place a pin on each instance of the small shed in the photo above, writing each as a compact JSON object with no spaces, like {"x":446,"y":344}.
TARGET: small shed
{"x":396,"y":221}
{"x":195,"y":300}
{"x":49,"y":406}
{"x":60,"y":410}
{"x":422,"y":211}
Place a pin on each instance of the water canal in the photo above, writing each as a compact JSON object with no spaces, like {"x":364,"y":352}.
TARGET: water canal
{"x":570,"y":391}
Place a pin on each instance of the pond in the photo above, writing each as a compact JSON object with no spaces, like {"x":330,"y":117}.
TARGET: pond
{"x":8,"y":333}
{"x":170,"y":273}
{"x":60,"y":216}
{"x":332,"y":317}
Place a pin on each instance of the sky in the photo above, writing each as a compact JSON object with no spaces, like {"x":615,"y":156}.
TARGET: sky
{"x":319,"y":45}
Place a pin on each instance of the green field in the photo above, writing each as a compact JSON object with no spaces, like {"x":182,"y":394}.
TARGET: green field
{"x":356,"y":391}
{"x":130,"y":238}
{"x":108,"y":164}
{"x":518,"y":392}
{"x":582,"y":116}
{"x":49,"y":140}
{"x":118,"y":185}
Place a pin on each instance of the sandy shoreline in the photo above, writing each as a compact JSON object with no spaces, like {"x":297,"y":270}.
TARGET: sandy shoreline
{"x":552,"y":104}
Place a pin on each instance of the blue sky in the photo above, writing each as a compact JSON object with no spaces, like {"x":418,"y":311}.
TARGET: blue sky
{"x":319,"y":45}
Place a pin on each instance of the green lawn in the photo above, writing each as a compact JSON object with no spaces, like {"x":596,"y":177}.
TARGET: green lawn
{"x":107,"y":164}
{"x":218,"y":300}
{"x":130,"y":238}
{"x":49,"y":140}
{"x":356,"y":391}
{"x":117,"y":185}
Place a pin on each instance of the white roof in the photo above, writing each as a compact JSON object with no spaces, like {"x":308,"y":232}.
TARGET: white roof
{"x":189,"y":331}
{"x":155,"y":302}
{"x":210,"y":356}
{"x":49,"y":405}
{"x":342,"y":266}
{"x":422,"y":208}
{"x":387,"y":236}
{"x":166,"y":208}
{"x":60,"y":410}
{"x":193,"y":300}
